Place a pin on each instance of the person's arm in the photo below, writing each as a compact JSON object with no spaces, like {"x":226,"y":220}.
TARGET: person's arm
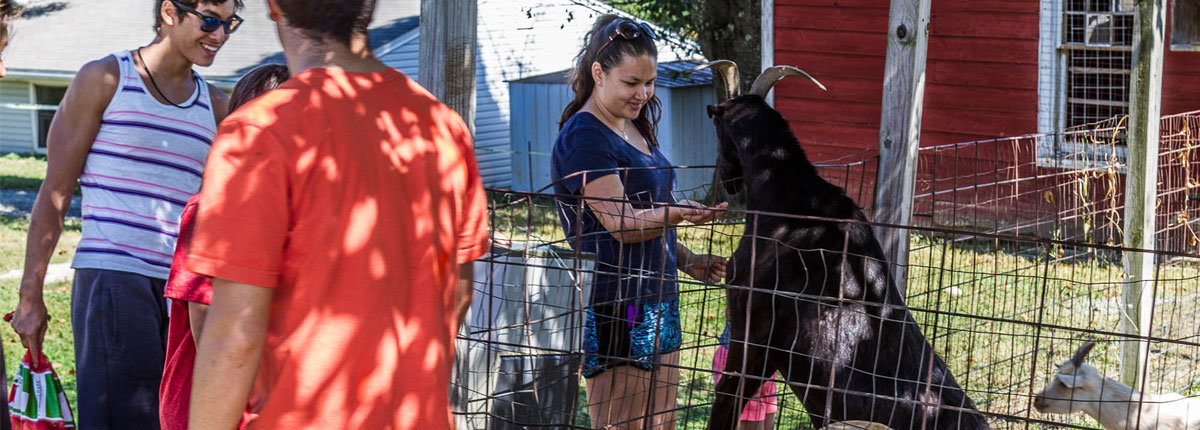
{"x":683,"y":255}
{"x":220,"y":103}
{"x":196,"y":313}
{"x":72,"y":131}
{"x":466,"y":290}
{"x":630,"y":225}
{"x":702,"y":267}
{"x":228,"y":354}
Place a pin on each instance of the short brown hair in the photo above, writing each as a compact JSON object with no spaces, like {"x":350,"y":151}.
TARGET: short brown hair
{"x":237,"y":5}
{"x":257,"y":82}
{"x":334,"y":19}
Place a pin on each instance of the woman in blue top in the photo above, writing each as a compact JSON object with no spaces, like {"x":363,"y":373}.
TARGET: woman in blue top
{"x":612,"y":181}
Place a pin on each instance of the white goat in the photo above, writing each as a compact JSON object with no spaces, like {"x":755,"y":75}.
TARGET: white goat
{"x":1080,"y":387}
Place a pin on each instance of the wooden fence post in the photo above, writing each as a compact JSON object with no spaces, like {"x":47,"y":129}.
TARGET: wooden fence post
{"x":900,"y":129}
{"x":446,"y":67}
{"x":446,"y":63}
{"x":1141,"y":183}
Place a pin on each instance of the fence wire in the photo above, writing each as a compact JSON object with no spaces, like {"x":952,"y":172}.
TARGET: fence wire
{"x":1015,"y":262}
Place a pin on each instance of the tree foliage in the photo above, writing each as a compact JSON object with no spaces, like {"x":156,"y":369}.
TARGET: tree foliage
{"x":724,"y":29}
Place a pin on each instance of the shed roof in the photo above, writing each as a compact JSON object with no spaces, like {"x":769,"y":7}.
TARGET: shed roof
{"x":54,"y":38}
{"x":672,"y":74}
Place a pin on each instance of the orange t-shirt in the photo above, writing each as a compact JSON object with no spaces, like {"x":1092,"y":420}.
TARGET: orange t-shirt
{"x":355,"y":196}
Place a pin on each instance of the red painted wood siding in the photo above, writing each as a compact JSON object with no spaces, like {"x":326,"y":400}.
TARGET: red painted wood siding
{"x":981,"y":72}
{"x":1181,"y":79}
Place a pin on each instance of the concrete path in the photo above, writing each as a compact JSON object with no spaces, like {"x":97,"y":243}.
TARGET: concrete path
{"x":19,"y":203}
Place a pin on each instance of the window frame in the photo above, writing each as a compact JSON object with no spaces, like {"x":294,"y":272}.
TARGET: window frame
{"x":47,"y":115}
{"x":1054,"y":146}
{"x":1185,"y":35}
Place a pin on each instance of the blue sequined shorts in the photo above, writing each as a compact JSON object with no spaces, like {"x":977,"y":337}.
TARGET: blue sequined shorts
{"x":634,"y":335}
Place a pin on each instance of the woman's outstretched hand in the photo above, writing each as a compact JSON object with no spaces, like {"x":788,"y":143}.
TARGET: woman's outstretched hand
{"x":697,"y":213}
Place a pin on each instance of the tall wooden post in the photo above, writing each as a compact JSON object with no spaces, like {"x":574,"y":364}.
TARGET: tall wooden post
{"x":446,"y":67}
{"x":900,"y":128}
{"x":447,"y":59}
{"x":1141,"y":183}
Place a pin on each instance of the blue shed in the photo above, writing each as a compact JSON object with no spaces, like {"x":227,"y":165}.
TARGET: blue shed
{"x":685,"y":132}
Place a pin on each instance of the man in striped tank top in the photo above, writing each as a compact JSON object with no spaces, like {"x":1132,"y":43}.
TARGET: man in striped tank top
{"x":133,"y":131}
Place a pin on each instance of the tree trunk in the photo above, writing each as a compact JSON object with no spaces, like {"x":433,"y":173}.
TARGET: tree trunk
{"x":730,"y":30}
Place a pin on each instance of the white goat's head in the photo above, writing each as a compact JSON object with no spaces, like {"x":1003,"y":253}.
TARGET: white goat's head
{"x":1074,"y":385}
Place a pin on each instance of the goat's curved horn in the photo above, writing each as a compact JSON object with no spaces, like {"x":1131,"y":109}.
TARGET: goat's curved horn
{"x":729,"y":73}
{"x":1082,"y":353}
{"x":765,"y":81}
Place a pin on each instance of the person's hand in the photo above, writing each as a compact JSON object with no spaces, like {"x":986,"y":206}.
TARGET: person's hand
{"x":29,"y":321}
{"x":706,"y":268}
{"x":697,"y":213}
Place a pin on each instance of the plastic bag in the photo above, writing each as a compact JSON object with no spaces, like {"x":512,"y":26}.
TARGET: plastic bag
{"x":37,"y":400}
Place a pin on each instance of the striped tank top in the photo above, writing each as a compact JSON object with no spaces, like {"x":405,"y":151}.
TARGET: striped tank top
{"x":145,"y":163}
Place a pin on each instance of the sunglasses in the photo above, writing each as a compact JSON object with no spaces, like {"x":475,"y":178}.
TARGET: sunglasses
{"x":209,"y":24}
{"x":628,"y":30}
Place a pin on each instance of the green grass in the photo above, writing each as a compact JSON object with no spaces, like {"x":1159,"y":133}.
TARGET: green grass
{"x":1001,"y":315}
{"x":25,"y":172}
{"x":58,"y":345}
{"x":980,"y":304}
{"x":22,"y":172}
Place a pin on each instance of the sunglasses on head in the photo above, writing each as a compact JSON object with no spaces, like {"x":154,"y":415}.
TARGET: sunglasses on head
{"x":628,"y":30}
{"x":209,"y":24}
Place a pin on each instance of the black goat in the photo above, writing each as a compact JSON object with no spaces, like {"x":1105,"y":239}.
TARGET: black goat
{"x":821,"y":308}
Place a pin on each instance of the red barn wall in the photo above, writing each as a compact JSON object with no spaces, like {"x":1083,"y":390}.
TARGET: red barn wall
{"x":981,"y":72}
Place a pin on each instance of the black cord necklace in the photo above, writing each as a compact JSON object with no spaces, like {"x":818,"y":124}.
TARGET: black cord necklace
{"x":160,"y":93}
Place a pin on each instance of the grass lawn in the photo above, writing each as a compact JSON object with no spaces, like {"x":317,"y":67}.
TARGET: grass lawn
{"x":1001,"y":315}
{"x":26,"y":172}
{"x":58,"y":344}
{"x":22,"y":172}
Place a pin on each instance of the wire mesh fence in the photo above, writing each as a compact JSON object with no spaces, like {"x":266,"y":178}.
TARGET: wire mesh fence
{"x":1015,"y":262}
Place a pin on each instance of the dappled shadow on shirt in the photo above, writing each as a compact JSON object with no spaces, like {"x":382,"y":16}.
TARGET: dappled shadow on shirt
{"x":353,"y":200}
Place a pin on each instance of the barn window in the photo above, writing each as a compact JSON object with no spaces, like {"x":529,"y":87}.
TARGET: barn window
{"x":1097,"y":43}
{"x":48,"y":99}
{"x":1185,"y":25}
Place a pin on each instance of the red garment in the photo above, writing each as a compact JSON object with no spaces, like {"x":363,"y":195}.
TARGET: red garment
{"x":175,"y":393}
{"x":355,"y":196}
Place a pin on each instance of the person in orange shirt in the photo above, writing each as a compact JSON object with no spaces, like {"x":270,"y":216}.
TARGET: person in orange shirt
{"x":338,"y":218}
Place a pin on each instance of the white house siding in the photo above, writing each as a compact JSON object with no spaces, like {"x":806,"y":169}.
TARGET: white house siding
{"x":404,"y":57}
{"x":16,"y":125}
{"x":536,"y":110}
{"x":514,"y":41}
{"x":693,"y":138}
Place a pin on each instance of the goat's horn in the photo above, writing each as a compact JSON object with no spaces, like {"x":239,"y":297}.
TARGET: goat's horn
{"x":1082,"y":353}
{"x":765,"y":81}
{"x":729,"y":73}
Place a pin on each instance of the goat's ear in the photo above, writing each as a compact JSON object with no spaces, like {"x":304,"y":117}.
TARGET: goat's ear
{"x":1071,"y":381}
{"x":715,"y":110}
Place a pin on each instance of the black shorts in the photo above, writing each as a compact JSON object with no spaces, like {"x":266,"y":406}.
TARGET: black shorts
{"x":635,"y":335}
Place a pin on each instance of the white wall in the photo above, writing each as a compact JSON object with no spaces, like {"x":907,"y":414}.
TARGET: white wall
{"x":693,"y":139}
{"x":536,"y":109}
{"x":17,"y":132}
